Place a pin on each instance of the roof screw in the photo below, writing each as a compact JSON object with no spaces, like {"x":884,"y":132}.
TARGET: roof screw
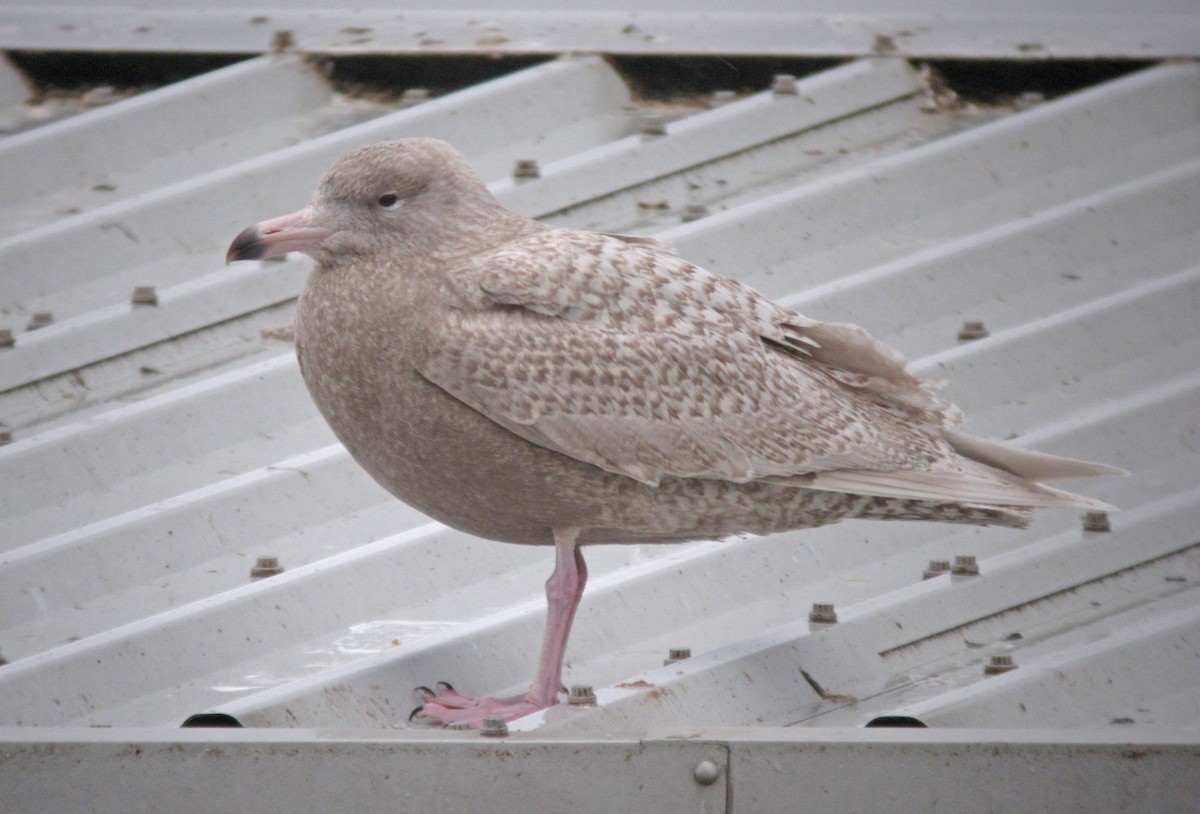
{"x":581,"y":695}
{"x":458,"y":725}
{"x":39,"y":320}
{"x":414,"y":96}
{"x":784,"y":84}
{"x":677,"y":654}
{"x":706,"y":772}
{"x":999,"y":664}
{"x":6,"y":338}
{"x":144,"y":295}
{"x":266,"y":567}
{"x":972,"y":330}
{"x":822,"y":612}
{"x":693,"y":212}
{"x":493,"y":726}
{"x":1096,"y":521}
{"x":936,"y":568}
{"x":721,"y":97}
{"x":527,"y":168}
{"x":965,"y":565}
{"x":654,"y":124}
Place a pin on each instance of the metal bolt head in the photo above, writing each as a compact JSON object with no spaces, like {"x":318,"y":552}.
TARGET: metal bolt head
{"x":784,"y":84}
{"x":965,"y":565}
{"x":677,"y":654}
{"x":7,"y":340}
{"x":144,"y":295}
{"x":654,"y":124}
{"x":414,"y":96}
{"x":936,"y":568}
{"x":999,"y":664}
{"x":706,"y":772}
{"x":972,"y":330}
{"x":1096,"y":521}
{"x":693,"y":212}
{"x":822,"y":612}
{"x":581,"y":695}
{"x":493,"y":726}
{"x":527,"y":168}
{"x":39,"y":320}
{"x":265,"y":567}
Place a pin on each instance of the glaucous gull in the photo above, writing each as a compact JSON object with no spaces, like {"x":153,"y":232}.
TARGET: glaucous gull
{"x":548,"y":386}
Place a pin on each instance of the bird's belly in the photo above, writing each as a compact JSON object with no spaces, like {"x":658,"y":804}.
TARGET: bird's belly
{"x":454,"y":464}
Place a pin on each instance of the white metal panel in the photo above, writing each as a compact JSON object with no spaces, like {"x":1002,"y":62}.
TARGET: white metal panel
{"x":915,"y":28}
{"x":166,"y":135}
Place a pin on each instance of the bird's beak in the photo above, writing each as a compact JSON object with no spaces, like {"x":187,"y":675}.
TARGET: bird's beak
{"x":288,"y":233}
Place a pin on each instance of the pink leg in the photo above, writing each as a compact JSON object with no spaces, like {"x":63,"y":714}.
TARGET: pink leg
{"x":564,"y":589}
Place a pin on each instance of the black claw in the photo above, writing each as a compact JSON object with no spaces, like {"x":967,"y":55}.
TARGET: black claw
{"x":423,"y":689}
{"x":445,"y":686}
{"x":415,"y":712}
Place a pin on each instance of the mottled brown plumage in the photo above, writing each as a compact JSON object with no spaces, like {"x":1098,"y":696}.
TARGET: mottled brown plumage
{"x":539,"y":385}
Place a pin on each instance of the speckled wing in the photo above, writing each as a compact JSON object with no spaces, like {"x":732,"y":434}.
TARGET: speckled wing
{"x":621,"y":354}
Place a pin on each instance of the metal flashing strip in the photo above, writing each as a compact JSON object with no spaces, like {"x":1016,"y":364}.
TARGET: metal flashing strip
{"x":738,"y":771}
{"x":1160,"y":28}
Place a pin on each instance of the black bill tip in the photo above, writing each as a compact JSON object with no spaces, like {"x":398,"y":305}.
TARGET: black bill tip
{"x":248,"y":245}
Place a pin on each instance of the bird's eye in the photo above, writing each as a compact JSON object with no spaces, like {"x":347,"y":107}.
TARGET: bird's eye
{"x":389,"y":200}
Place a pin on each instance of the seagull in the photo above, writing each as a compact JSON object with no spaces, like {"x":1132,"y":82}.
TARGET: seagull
{"x":540,"y":385}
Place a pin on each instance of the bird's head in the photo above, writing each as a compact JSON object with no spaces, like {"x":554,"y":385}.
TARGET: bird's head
{"x":396,"y":197}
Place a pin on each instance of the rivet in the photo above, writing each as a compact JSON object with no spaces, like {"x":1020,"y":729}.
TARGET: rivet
{"x":706,"y":772}
{"x":414,"y":96}
{"x":654,"y":124}
{"x":1096,"y":521}
{"x":677,"y":654}
{"x":39,"y":320}
{"x":965,"y":565}
{"x":6,"y":338}
{"x":822,"y":612}
{"x":693,"y":212}
{"x":784,"y":84}
{"x":458,"y":725}
{"x":999,"y":664}
{"x":493,"y":726}
{"x":721,"y":97}
{"x":581,"y":695}
{"x":265,"y":567}
{"x":972,"y":330}
{"x":144,"y":295}
{"x":527,"y":168}
{"x":936,"y":568}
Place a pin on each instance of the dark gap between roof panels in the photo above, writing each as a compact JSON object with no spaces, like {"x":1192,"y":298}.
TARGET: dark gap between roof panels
{"x":682,"y":77}
{"x":656,"y":78}
{"x":57,"y":74}
{"x":385,"y":77}
{"x":1000,"y":82}
{"x":652,"y":78}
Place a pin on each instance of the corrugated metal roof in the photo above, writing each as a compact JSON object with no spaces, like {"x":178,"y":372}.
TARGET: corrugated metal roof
{"x":159,"y":449}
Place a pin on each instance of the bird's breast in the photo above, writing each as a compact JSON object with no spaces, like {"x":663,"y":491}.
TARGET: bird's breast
{"x":361,"y":366}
